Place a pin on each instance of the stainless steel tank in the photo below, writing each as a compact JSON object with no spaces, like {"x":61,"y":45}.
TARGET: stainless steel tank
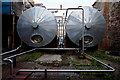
{"x":94,"y":26}
{"x":37,"y":27}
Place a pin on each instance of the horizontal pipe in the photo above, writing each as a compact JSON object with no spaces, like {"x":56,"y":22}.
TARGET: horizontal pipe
{"x":75,"y":9}
{"x":55,"y":70}
{"x":1,"y":54}
{"x":58,"y":70}
{"x":57,"y":9}
{"x":61,"y":70}
{"x":58,"y":48}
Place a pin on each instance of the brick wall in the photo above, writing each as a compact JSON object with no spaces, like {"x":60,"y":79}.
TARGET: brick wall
{"x":114,"y":29}
{"x":111,"y":12}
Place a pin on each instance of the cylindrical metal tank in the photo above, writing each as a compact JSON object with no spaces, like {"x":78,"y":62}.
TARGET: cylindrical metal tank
{"x":94,"y":26}
{"x":37,"y":27}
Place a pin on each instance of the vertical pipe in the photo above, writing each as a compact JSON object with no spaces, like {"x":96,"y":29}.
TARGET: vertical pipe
{"x":63,"y":32}
{"x":58,"y":33}
{"x":11,"y":65}
{"x":82,"y":25}
{"x":83,"y":31}
{"x":11,"y":71}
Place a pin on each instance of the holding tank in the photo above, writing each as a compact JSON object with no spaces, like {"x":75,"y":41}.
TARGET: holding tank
{"x":94,"y":26}
{"x":37,"y":27}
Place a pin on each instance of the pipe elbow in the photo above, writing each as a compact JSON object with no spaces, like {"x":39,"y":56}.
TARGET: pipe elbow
{"x":8,"y":60}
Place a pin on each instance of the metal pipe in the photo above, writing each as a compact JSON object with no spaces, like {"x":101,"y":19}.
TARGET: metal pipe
{"x":56,"y":9}
{"x":20,"y":54}
{"x":101,"y":62}
{"x":82,"y":32}
{"x":70,"y":70}
{"x":71,"y":9}
{"x":11,"y":65}
{"x":1,"y":54}
{"x":11,"y":61}
{"x":61,"y":70}
{"x":58,"y":48}
{"x":82,"y":24}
